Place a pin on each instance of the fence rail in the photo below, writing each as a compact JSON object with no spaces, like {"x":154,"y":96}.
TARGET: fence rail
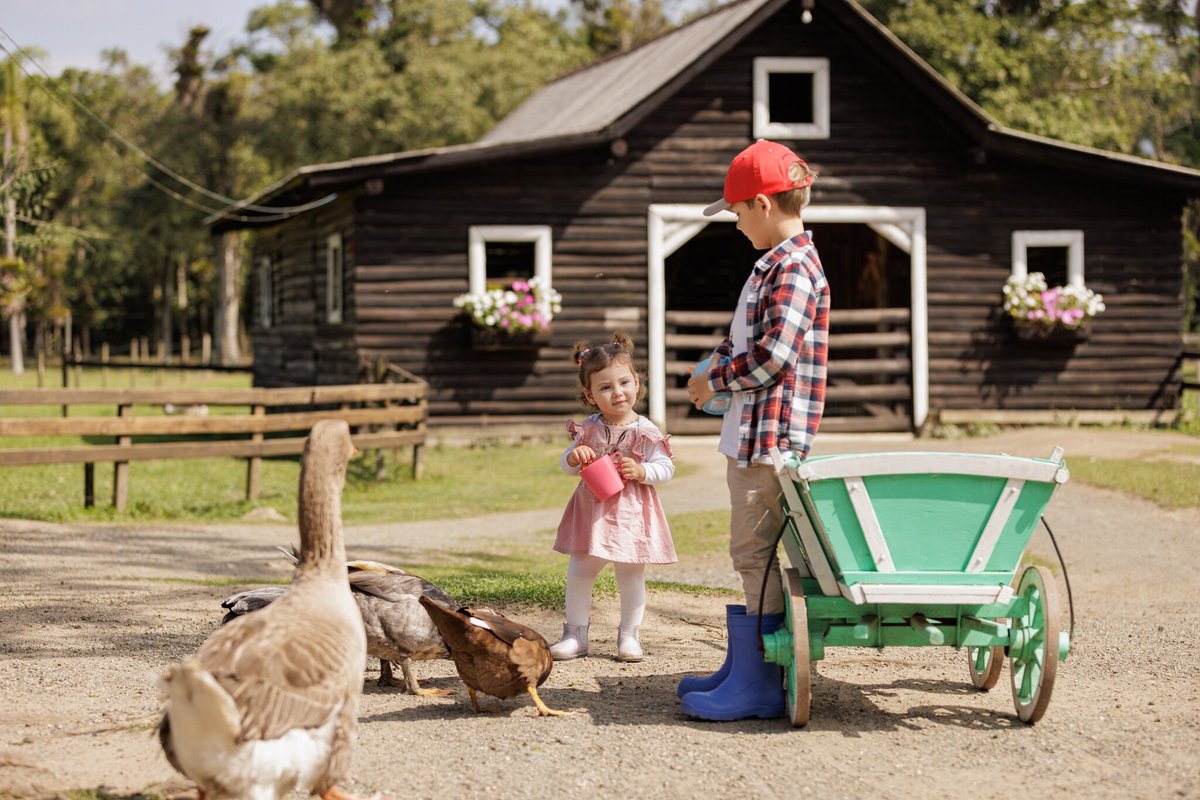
{"x":383,"y":416}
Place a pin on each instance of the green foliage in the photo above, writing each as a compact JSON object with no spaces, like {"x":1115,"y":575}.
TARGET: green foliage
{"x":1104,"y":73}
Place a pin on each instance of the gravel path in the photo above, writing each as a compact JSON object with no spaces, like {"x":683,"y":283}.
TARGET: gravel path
{"x":89,"y":616}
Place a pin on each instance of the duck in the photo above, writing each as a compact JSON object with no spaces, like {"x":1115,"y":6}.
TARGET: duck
{"x":398,"y":629}
{"x":492,"y":653}
{"x":268,"y":705}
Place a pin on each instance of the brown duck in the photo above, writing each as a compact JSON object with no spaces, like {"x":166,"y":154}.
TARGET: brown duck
{"x":493,"y":654}
{"x":269,"y":703}
{"x":398,"y":629}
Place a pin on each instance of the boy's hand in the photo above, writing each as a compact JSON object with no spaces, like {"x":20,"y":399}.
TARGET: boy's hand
{"x":631,"y":470}
{"x":698,"y":391}
{"x":581,"y":456}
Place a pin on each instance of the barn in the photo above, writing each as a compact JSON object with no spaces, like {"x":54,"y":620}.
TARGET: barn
{"x":924,"y":207}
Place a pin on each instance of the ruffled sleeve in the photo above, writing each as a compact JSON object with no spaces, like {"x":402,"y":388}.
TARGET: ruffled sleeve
{"x":650,"y":439}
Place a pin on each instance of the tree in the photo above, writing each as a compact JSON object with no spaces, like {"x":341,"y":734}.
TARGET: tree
{"x":15,"y":286}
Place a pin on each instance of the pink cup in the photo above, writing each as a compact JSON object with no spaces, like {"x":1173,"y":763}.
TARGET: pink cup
{"x":602,"y":477}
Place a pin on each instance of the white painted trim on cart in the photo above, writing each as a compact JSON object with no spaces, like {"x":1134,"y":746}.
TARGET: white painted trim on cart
{"x":862,"y":593}
{"x":901,"y":463}
{"x":995,"y":525}
{"x":663,"y":239}
{"x":869,"y":523}
{"x":818,"y":564}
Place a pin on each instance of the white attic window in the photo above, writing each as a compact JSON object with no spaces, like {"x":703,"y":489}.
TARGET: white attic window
{"x":791,"y":98}
{"x":1056,"y":254}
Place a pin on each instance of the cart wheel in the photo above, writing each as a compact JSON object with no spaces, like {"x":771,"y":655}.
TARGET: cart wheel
{"x":985,"y":664}
{"x":1034,"y":648}
{"x":799,"y":686}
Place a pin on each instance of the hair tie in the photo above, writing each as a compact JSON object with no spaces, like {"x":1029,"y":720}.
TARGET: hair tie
{"x":582,"y":355}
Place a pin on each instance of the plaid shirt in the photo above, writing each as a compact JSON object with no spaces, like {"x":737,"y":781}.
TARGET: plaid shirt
{"x":787,"y":311}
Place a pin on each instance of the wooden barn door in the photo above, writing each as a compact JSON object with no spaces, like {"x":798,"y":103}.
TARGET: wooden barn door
{"x":874,"y":259}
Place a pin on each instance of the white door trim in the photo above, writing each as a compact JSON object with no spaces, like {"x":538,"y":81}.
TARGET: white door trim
{"x":665,"y":222}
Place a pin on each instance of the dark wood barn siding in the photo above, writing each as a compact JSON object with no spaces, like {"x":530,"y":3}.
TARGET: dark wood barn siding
{"x":1132,"y":256}
{"x":301,"y":348}
{"x":406,"y":248}
{"x":891,"y":147}
{"x":412,"y":262}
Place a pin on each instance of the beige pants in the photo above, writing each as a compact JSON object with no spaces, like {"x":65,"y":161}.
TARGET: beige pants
{"x":755,"y":517}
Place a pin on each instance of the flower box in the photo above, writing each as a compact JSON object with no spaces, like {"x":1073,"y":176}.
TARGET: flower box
{"x":1041,"y":332}
{"x":516,"y":317}
{"x":497,"y":339}
{"x":1041,"y":313}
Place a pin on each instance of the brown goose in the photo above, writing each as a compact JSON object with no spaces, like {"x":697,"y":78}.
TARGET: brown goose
{"x":398,"y":629}
{"x":493,"y":654}
{"x":268,"y":705}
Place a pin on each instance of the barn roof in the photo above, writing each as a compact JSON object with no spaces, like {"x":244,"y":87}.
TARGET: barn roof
{"x":601,"y":102}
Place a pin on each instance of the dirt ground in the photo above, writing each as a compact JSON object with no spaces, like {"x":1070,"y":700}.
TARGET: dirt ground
{"x":89,"y":616}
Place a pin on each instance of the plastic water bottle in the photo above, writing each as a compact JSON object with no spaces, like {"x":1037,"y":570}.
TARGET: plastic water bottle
{"x":720,"y":402}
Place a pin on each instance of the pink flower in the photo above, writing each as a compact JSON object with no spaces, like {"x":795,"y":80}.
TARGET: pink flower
{"x":520,"y":286}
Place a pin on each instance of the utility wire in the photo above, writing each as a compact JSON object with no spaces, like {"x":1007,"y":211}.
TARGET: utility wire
{"x":230,"y":203}
{"x":58,"y":225}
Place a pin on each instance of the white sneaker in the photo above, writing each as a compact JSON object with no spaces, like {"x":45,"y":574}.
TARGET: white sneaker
{"x":628,"y":646}
{"x":573,"y":644}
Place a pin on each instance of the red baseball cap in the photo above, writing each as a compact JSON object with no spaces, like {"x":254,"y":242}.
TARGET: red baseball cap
{"x":762,"y":168}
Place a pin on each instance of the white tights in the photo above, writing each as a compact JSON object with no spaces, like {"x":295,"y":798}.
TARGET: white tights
{"x":631,"y":583}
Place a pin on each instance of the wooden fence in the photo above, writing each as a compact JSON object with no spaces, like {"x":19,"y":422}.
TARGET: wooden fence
{"x":383,"y":416}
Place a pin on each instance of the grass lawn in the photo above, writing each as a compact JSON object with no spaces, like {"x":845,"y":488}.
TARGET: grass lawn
{"x":458,"y":482}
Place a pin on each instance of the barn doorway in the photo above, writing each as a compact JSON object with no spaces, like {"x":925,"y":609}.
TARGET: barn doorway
{"x":874,"y":258}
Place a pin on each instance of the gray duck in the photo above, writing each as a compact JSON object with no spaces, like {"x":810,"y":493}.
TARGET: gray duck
{"x":269,"y":703}
{"x":493,"y":654}
{"x":398,"y":629}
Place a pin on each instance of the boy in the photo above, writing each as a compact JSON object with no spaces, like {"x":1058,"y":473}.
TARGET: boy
{"x":773,"y":361}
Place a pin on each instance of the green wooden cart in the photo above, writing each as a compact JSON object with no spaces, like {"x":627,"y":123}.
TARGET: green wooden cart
{"x":919,"y":549}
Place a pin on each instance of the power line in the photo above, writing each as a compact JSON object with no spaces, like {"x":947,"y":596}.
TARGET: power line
{"x":279,"y":212}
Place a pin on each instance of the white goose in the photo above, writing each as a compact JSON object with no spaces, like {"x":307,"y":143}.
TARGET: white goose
{"x":269,"y":703}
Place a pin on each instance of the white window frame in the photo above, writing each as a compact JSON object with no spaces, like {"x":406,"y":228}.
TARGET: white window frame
{"x":764,"y":126}
{"x":479,"y":235}
{"x":1070,"y":239}
{"x":335,"y":272}
{"x":266,"y":293}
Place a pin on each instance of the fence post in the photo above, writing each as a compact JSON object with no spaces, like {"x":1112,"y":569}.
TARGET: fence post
{"x":121,"y":468}
{"x":254,"y":465}
{"x":89,"y":485}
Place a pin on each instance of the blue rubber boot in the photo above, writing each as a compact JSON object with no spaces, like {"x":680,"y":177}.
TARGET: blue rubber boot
{"x":702,"y":683}
{"x":753,"y":687}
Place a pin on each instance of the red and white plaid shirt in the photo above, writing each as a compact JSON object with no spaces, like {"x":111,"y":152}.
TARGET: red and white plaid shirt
{"x":787,"y":313}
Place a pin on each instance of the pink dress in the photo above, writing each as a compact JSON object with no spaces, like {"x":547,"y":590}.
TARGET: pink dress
{"x":629,"y":527}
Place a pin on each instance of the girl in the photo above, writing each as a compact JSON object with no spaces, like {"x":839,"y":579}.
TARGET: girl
{"x":628,"y":529}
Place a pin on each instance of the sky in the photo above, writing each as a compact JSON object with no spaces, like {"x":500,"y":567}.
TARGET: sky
{"x":73,"y":33}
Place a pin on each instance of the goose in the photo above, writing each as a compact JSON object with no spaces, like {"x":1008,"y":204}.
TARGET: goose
{"x":398,"y":629}
{"x":268,"y":704}
{"x":493,"y":654}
